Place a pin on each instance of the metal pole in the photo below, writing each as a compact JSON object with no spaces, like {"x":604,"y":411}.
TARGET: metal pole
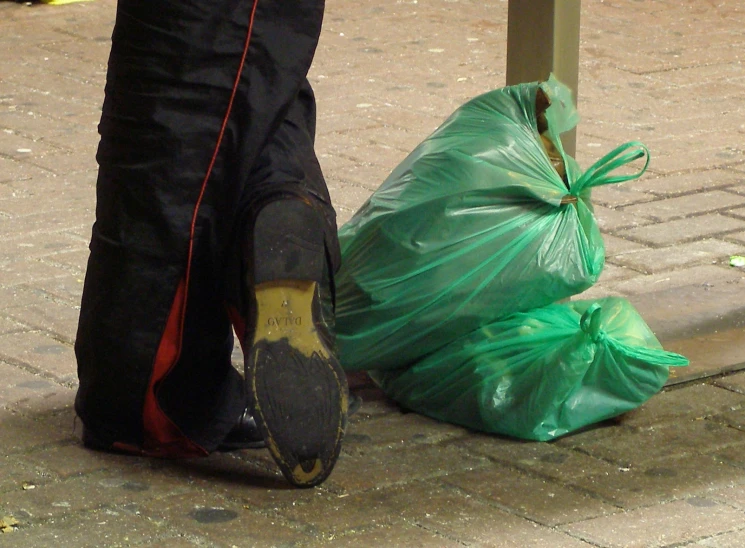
{"x":543,"y":37}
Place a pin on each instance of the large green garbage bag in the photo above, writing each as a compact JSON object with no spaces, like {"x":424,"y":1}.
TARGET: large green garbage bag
{"x":540,"y":374}
{"x":475,"y":224}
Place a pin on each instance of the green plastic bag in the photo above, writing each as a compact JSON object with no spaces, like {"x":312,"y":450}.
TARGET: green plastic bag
{"x":540,"y":374}
{"x":475,"y":224}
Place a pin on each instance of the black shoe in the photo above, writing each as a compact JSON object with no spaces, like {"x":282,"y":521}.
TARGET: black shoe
{"x":244,"y":435}
{"x":297,"y":387}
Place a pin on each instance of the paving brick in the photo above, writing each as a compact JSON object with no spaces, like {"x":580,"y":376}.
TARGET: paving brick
{"x":17,"y":385}
{"x":738,"y":188}
{"x":35,"y":245}
{"x":331,"y":122}
{"x":732,"y":456}
{"x":615,"y":245}
{"x":697,"y":401}
{"x":660,"y":525}
{"x":218,"y":521}
{"x":681,"y":255}
{"x":347,"y":512}
{"x":14,"y":170}
{"x":114,"y":489}
{"x":9,"y":326}
{"x":90,"y":530}
{"x":33,"y":126}
{"x":717,"y":351}
{"x":683,"y":206}
{"x":539,"y":459}
{"x":738,"y":213}
{"x":734,"y":382}
{"x":17,"y":474}
{"x":619,"y":195}
{"x":398,"y":430}
{"x":688,"y":76}
{"x":600,"y":290}
{"x":611,"y":219}
{"x":613,"y":273}
{"x":364,"y":175}
{"x":445,"y":511}
{"x":54,"y":400}
{"x":636,"y":486}
{"x":399,"y":466}
{"x":42,"y":313}
{"x":23,"y":149}
{"x":649,"y":444}
{"x":734,"y":539}
{"x":733,"y":495}
{"x":720,"y":157}
{"x":14,"y":273}
{"x":68,"y":288}
{"x":734,"y":418}
{"x":64,"y":163}
{"x":40,"y":352}
{"x":680,"y":230}
{"x":72,"y":459}
{"x":75,"y":261}
{"x":543,"y":501}
{"x":31,"y":196}
{"x":249,"y":477}
{"x":398,"y":138}
{"x":347,"y":196}
{"x":402,"y":535}
{"x":708,"y":308}
{"x":707,"y":276}
{"x":19,"y":433}
{"x":49,"y":221}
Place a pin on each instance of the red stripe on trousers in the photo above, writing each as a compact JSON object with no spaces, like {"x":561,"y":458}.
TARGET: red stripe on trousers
{"x":162,"y":437}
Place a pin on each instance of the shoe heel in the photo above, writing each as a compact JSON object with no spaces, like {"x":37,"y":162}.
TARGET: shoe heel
{"x":288,"y":243}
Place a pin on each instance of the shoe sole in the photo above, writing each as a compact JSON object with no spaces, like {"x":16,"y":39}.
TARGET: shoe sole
{"x":299,"y":388}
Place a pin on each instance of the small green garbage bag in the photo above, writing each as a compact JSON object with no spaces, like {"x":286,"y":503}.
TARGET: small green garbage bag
{"x":485,"y":218}
{"x":540,"y":374}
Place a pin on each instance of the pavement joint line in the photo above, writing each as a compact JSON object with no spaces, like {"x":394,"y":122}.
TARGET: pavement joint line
{"x":9,"y":360}
{"x":44,"y":294}
{"x":32,"y":328}
{"x":433,"y":530}
{"x":28,"y":524}
{"x":49,"y":260}
{"x":729,"y":369}
{"x":516,"y":512}
{"x":46,"y":446}
{"x":657,"y":220}
{"x":684,"y":240}
{"x":667,"y":195}
{"x":678,"y":172}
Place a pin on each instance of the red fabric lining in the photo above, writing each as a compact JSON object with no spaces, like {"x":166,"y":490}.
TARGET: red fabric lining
{"x":162,"y":437}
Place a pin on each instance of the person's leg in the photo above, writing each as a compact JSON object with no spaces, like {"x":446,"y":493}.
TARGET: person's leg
{"x":290,"y":252}
{"x":195,"y":89}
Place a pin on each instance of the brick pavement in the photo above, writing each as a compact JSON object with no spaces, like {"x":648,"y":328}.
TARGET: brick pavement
{"x":386,"y":74}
